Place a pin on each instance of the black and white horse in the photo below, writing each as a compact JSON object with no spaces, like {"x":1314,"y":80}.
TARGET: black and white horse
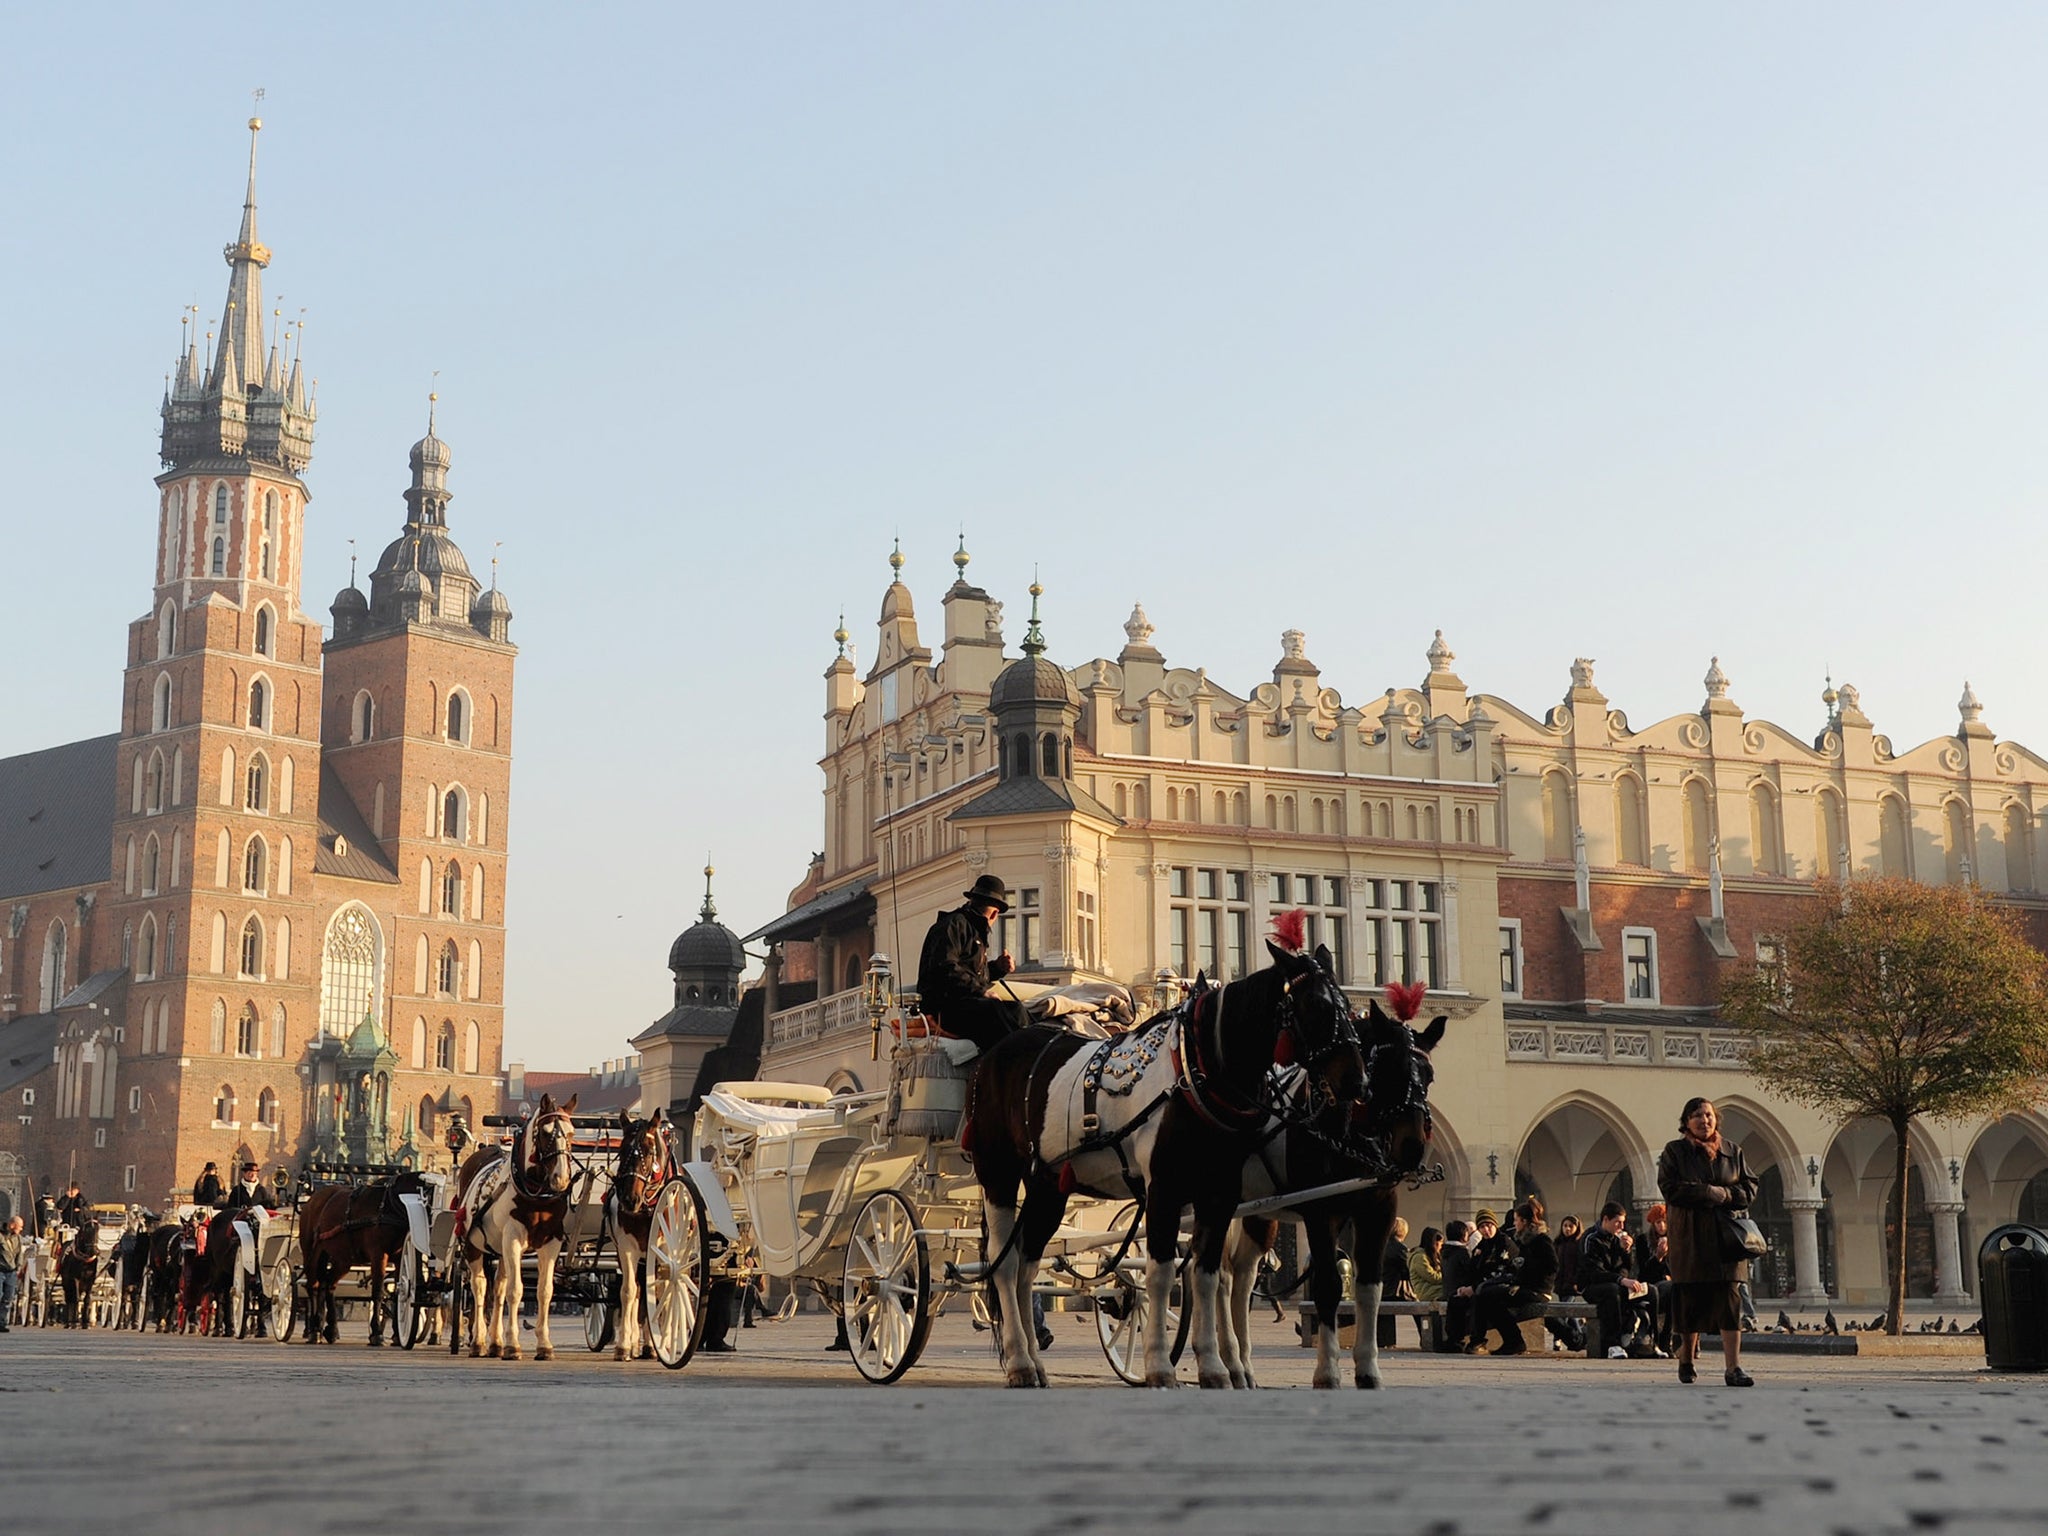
{"x":1386,"y":1140}
{"x":1168,"y":1113}
{"x":508,"y":1202}
{"x":646,"y":1161}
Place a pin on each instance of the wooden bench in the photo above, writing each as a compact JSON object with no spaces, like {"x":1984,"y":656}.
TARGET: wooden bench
{"x":1534,"y":1335}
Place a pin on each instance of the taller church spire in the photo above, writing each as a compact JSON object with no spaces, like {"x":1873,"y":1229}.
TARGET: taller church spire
{"x":244,"y":408}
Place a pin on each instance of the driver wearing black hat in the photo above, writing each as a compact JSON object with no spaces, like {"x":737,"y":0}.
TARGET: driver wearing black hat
{"x":250,"y":1190}
{"x":955,"y":972}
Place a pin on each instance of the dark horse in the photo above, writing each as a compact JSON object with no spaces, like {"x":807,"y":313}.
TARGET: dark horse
{"x":1168,"y":1114}
{"x":131,"y":1258}
{"x":213,"y":1268}
{"x":168,"y":1245}
{"x":78,"y":1266}
{"x":340,"y":1227}
{"x":1387,"y":1139}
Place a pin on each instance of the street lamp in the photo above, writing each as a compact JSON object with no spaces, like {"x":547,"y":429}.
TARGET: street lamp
{"x":1167,"y":985}
{"x":878,"y":990}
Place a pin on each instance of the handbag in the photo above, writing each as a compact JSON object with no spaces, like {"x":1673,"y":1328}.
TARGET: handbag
{"x":1741,"y":1237}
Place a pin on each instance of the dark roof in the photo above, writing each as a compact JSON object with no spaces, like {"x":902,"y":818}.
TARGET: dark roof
{"x":707,"y":945}
{"x":1032,"y":680}
{"x":340,"y":818}
{"x":1024,"y":796}
{"x":25,"y":1045}
{"x":693,"y":1021}
{"x":809,"y":920}
{"x":57,"y":817}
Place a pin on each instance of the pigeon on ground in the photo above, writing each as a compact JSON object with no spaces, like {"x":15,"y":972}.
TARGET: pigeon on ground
{"x":1955,"y":1325}
{"x":1784,"y":1321}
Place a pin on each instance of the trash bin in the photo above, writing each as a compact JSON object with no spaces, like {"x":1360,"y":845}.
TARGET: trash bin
{"x":2012,"y":1283}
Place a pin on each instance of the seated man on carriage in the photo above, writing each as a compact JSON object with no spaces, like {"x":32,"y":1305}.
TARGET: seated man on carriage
{"x":249,"y":1190}
{"x":954,"y":971}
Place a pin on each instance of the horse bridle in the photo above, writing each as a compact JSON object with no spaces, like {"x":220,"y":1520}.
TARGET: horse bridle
{"x":647,"y":1185}
{"x":1420,"y":1076}
{"x":537,"y":1147}
{"x":1344,"y":1035}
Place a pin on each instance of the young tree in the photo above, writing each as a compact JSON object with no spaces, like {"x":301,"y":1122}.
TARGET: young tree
{"x":1896,"y":1000}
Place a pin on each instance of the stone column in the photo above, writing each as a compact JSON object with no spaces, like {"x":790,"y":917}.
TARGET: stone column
{"x":1162,"y":949}
{"x":1948,"y":1252}
{"x":1807,"y":1289}
{"x":1454,"y":956}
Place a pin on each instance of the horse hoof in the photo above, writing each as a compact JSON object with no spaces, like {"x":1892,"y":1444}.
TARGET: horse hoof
{"x":1163,"y":1382}
{"x":494,"y":1351}
{"x":476,"y":1351}
{"x":1239,"y":1381}
{"x":544,"y":1353}
{"x":619,"y":1353}
{"x":1214,"y":1381}
{"x":1325,"y":1381}
{"x":1366,"y":1383}
{"x":511,"y":1353}
{"x":1024,"y":1376}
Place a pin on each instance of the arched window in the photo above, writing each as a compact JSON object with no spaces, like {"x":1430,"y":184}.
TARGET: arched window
{"x":364,"y":719}
{"x":166,"y":631}
{"x":348,"y":969}
{"x":451,"y":890}
{"x":1273,"y":812}
{"x":160,"y":708}
{"x":252,"y":948}
{"x":444,"y":1047}
{"x":427,"y":1117}
{"x":258,"y":796}
{"x":2019,"y":848}
{"x":1049,"y":755}
{"x":1766,"y":842}
{"x":152,"y":863}
{"x":1892,"y":845}
{"x":155,"y":787}
{"x":1172,"y":803}
{"x":264,"y":637}
{"x":1121,"y":802}
{"x":266,"y":1108}
{"x":449,"y":976}
{"x":1631,"y":840}
{"x":419,"y":1045}
{"x":277,"y":1030}
{"x":284,"y":949}
{"x":472,"y":1048}
{"x":1699,"y":826}
{"x":458,"y":716}
{"x":259,"y":705}
{"x":1020,"y":755}
{"x":145,"y":956}
{"x":269,"y":535}
{"x":474,"y":974}
{"x":476,"y":893}
{"x":454,"y":814}
{"x":220,"y":506}
{"x":1962,"y":862}
{"x":220,"y":557}
{"x":224,"y":1105}
{"x":217,"y":1032}
{"x":255,"y":866}
{"x":56,"y":944}
{"x":247,"y":1042}
{"x":1830,"y":834}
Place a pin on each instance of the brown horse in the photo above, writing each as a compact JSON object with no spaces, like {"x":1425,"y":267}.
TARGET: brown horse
{"x":341,"y":1227}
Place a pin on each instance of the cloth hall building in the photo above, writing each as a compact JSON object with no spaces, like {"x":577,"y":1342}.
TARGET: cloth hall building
{"x":1572,"y":888}
{"x":264,"y":917}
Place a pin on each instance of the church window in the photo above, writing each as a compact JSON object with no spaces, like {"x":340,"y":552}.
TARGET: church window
{"x":252,"y":948}
{"x":419,"y":1045}
{"x":476,"y":893}
{"x":224,"y":1105}
{"x":284,"y":867}
{"x":474,"y":975}
{"x":258,"y":796}
{"x":259,"y":705}
{"x":451,"y":890}
{"x":266,"y":1108}
{"x":267,"y":566}
{"x":269,"y":538}
{"x":152,"y":859}
{"x":255,"y":862}
{"x":220,"y":506}
{"x":1020,"y":755}
{"x":219,"y":954}
{"x":227,"y":775}
{"x":263,"y":636}
{"x":156,"y":782}
{"x":128,"y":944}
{"x":166,"y":631}
{"x":1049,"y":755}
{"x":284,"y":948}
{"x":246,"y":1043}
{"x":1699,"y":832}
{"x":444,"y":1047}
{"x":277,"y":1021}
{"x":217,"y":1034}
{"x":220,"y":557}
{"x":453,"y":818}
{"x":458,"y":717}
{"x":365,"y":717}
{"x":348,"y":970}
{"x":449,"y":977}
{"x":472,"y":1048}
{"x":160,"y":710}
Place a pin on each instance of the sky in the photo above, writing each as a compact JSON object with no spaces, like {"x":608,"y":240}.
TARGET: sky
{"x":1647,"y":334}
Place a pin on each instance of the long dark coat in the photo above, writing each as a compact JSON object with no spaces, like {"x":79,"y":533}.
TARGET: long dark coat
{"x":1695,"y":1186}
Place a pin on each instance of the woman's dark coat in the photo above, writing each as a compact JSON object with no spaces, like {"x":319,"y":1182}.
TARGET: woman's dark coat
{"x":1695,"y":1187}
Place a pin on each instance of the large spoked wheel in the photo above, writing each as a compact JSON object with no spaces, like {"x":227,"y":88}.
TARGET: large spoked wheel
{"x":678,"y":1273}
{"x":599,"y":1323}
{"x":406,"y":1316}
{"x":887,"y":1290}
{"x":238,"y":1305}
{"x":1120,"y":1313}
{"x":281,"y":1289}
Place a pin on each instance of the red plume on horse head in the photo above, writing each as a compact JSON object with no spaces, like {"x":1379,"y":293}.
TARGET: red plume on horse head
{"x":1405,"y":998}
{"x":1290,"y":930}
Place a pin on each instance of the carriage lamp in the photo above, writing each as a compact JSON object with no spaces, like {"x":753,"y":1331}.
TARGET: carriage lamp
{"x":878,"y":988}
{"x":1167,"y":985}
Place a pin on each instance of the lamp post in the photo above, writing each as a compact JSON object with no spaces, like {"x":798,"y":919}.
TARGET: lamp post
{"x":878,"y":990}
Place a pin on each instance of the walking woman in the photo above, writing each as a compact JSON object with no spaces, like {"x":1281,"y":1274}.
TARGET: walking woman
{"x":1699,"y":1175}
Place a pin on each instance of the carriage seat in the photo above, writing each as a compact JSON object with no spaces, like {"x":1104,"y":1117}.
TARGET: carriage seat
{"x":744,"y":1110}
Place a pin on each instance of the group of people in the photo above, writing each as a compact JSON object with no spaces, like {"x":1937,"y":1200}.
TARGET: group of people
{"x":1656,"y":1291}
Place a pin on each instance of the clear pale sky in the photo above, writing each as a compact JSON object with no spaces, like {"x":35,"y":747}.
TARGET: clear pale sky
{"x":1617,"y":331}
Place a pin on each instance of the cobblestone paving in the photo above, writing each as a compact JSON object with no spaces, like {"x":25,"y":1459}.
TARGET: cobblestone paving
{"x":99,"y":1431}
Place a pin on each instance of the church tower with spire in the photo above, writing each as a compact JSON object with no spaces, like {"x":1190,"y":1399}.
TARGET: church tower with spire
{"x":218,"y":759}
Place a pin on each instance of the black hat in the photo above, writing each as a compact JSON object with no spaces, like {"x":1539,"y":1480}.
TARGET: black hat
{"x":989,"y":891}
{"x":248,"y":1167}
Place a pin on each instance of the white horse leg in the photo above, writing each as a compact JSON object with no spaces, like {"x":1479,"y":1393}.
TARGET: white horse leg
{"x":1013,"y":1332}
{"x":1158,"y":1341}
{"x":512,"y":1290}
{"x":479,"y":1298}
{"x":1365,"y":1346}
{"x":626,"y":1327}
{"x":1240,"y":1269}
{"x":1209,"y":1367}
{"x":544,"y":1296}
{"x":1027,"y":1278}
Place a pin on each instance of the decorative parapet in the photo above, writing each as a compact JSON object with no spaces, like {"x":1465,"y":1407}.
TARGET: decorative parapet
{"x":1626,"y":1044}
{"x":812,"y":1021}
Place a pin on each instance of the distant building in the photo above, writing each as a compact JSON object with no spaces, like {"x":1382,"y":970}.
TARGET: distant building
{"x":1571,"y":888}
{"x":264,"y":918}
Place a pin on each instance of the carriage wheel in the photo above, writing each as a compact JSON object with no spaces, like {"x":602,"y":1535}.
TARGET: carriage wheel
{"x":599,"y":1323}
{"x":887,"y":1291}
{"x":238,"y":1305}
{"x":405,"y":1306}
{"x":283,"y":1287}
{"x":1120,"y":1312}
{"x":678,"y":1273}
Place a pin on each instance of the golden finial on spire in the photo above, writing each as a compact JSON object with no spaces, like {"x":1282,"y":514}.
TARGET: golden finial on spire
{"x":896,"y":560}
{"x":840,"y":633}
{"x":960,"y":555}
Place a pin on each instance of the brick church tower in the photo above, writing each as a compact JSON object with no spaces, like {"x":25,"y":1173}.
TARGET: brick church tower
{"x":216,"y":814}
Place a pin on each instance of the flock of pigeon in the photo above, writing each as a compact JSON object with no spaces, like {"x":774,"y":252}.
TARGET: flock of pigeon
{"x":1875,"y":1325}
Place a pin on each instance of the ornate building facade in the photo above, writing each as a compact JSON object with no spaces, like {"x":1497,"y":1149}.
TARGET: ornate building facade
{"x":1571,"y":888}
{"x":265,"y":918}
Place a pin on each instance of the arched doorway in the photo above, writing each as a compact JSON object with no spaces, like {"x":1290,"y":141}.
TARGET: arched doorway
{"x":1575,"y":1157}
